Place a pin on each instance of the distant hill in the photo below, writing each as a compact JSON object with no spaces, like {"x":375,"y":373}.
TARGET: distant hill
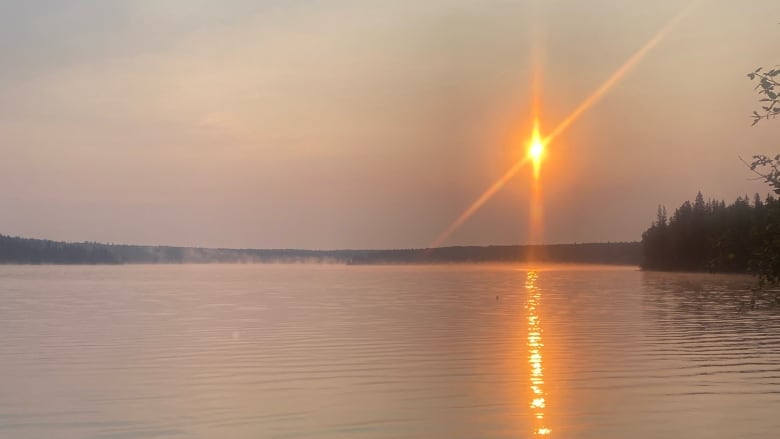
{"x":15,"y":250}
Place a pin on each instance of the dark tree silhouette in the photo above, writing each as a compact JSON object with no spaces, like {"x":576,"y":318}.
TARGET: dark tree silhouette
{"x":770,"y":96}
{"x":711,"y":236}
{"x":766,"y":263}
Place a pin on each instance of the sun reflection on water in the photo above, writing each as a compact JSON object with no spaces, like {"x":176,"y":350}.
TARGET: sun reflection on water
{"x":538,"y":401}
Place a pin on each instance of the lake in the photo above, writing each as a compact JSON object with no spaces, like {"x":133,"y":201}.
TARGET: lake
{"x":309,"y":351}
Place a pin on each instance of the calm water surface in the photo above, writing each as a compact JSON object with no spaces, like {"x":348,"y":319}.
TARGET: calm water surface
{"x":383,"y":352}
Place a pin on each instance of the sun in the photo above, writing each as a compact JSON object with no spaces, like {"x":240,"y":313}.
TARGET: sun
{"x":536,"y":149}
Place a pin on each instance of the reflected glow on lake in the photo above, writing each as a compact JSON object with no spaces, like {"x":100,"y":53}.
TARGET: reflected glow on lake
{"x":535,"y":358}
{"x":435,"y":352}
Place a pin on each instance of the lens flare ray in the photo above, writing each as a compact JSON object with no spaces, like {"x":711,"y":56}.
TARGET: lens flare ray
{"x":617,"y":75}
{"x":538,"y":144}
{"x":488,"y":194}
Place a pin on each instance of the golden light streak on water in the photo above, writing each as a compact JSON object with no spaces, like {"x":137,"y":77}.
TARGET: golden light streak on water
{"x":538,"y":402}
{"x":561,"y":127}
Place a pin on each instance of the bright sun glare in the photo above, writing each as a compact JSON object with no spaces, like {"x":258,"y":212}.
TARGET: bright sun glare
{"x":536,"y":149}
{"x":536,"y":146}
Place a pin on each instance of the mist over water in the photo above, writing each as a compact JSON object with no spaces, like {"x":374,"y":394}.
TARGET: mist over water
{"x":261,"y":351}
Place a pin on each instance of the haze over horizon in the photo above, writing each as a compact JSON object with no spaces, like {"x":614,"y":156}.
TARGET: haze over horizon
{"x":343,"y":124}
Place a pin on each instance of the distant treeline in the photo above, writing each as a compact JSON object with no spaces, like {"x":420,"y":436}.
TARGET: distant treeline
{"x":14,"y":250}
{"x":619,"y":253}
{"x":713,"y":236}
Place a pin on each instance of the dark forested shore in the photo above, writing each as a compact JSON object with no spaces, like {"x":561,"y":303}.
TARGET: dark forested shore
{"x":15,"y":250}
{"x":742,"y":237}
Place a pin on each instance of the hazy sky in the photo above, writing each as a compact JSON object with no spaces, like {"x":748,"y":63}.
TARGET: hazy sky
{"x":366,"y":124}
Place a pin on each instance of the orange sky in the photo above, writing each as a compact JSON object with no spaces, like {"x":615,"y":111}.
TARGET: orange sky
{"x":347,"y":124}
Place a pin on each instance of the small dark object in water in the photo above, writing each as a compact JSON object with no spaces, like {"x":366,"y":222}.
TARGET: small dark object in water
{"x":496,"y":297}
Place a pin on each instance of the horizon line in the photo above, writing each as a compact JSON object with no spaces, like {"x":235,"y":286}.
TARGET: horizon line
{"x":549,"y":244}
